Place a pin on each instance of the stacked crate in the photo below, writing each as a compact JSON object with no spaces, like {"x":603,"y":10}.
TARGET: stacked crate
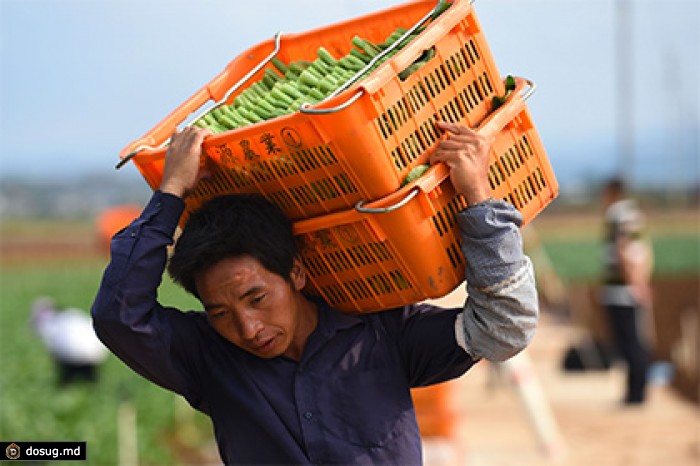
{"x":336,"y":168}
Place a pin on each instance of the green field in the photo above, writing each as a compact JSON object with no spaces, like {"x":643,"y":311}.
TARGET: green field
{"x":578,"y":259}
{"x":33,"y":408}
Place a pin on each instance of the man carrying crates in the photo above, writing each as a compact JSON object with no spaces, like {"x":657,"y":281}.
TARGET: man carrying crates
{"x":285,"y":378}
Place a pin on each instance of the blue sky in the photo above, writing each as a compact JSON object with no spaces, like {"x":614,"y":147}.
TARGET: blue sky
{"x":80,"y":79}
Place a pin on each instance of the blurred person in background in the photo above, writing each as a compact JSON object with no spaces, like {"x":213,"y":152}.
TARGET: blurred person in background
{"x":626,"y":293}
{"x":68,"y":336}
{"x":285,"y":377}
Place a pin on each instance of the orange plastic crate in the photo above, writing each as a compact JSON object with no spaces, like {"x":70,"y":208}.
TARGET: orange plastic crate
{"x":374,"y":133}
{"x":436,"y":410}
{"x":366,"y":262}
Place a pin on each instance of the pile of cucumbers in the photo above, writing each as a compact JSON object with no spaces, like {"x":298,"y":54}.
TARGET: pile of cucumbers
{"x":285,"y":87}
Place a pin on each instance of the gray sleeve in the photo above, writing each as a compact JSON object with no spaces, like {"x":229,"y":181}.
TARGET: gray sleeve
{"x":501,"y":310}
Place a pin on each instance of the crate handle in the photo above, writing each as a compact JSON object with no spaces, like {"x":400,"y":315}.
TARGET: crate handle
{"x":493,"y":123}
{"x":305,"y":107}
{"x":380,"y":210}
{"x":439,"y":171}
{"x":243,"y":80}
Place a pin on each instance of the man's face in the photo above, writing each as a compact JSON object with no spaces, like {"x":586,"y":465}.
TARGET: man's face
{"x":255,"y":309}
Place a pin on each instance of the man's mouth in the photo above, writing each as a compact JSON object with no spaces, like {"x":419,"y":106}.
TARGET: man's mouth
{"x":265,"y":346}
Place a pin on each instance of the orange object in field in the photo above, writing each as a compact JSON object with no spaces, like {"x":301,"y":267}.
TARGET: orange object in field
{"x":435,"y":410}
{"x":113,"y":219}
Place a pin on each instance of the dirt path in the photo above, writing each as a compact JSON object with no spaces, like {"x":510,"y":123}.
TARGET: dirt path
{"x":495,"y":428}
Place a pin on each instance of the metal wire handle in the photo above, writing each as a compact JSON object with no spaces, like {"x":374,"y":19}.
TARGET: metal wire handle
{"x":382,"y":210}
{"x":243,"y":80}
{"x":305,"y":107}
{"x":359,"y":206}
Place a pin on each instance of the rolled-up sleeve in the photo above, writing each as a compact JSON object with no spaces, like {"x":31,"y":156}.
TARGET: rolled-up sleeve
{"x":501,"y":311}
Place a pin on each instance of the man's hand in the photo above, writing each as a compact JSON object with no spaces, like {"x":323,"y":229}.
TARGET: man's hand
{"x":466,"y":154}
{"x":181,"y":171}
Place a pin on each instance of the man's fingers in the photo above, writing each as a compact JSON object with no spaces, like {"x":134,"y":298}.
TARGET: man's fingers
{"x":454,"y":128}
{"x":458,"y":143}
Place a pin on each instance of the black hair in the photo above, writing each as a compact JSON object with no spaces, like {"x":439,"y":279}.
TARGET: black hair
{"x":615,"y":184}
{"x":233,"y":225}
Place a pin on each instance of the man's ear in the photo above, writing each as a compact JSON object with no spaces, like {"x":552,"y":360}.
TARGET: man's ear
{"x":298,"y":274}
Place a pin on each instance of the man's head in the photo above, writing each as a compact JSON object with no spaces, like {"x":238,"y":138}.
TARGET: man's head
{"x":237,"y":254}
{"x":613,"y":190}
{"x":233,"y":226}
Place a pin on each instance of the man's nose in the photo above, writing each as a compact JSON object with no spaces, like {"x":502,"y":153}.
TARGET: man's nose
{"x":249,"y":327}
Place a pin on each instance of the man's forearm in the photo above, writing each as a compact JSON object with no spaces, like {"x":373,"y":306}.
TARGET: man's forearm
{"x":501,"y":311}
{"x":126,"y":314}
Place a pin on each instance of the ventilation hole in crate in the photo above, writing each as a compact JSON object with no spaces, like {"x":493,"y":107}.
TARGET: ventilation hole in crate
{"x":444,"y":75}
{"x":380,"y":251}
{"x":473,"y":92}
{"x":452,"y":210}
{"x":503,"y":166}
{"x":493,"y":177}
{"x":405,"y":109}
{"x":379,"y":284}
{"x":537,"y":181}
{"x":358,"y":289}
{"x":519,"y":196}
{"x":410,"y":97}
{"x":316,"y":266}
{"x":400,"y":282}
{"x":281,"y":199}
{"x":465,"y":99}
{"x":396,"y":157}
{"x":344,"y":184}
{"x":455,"y":111}
{"x":383,"y":123}
{"x":438,"y":223}
{"x":465,"y":58}
{"x":359,"y":256}
{"x":285,"y":166}
{"x":530,"y":186}
{"x":335,"y":262}
{"x":473,"y":50}
{"x":324,"y":189}
{"x":313,"y":158}
{"x":427,"y":135}
{"x":238,"y":178}
{"x":525,"y":147}
{"x":508,"y":162}
{"x":437,"y":84}
{"x":453,"y":67}
{"x":455,"y":255}
{"x":515,"y":159}
{"x":439,"y":80}
{"x":335,"y":294}
{"x":541,"y":178}
{"x":407,"y":151}
{"x":300,"y":195}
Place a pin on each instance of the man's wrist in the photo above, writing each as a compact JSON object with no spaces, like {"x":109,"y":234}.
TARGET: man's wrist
{"x":482,"y":203}
{"x":175,"y":190}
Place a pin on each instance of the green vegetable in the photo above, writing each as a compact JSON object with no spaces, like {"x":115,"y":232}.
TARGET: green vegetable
{"x":415,"y":173}
{"x":497,"y":100}
{"x":284,"y":87}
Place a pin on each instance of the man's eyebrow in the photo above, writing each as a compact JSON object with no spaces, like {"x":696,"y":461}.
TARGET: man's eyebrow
{"x":252,"y":291}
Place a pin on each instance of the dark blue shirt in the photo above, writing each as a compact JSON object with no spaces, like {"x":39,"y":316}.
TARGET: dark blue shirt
{"x":346,"y":401}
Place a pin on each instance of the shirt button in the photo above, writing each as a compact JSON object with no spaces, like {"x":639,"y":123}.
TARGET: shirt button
{"x":308,"y":415}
